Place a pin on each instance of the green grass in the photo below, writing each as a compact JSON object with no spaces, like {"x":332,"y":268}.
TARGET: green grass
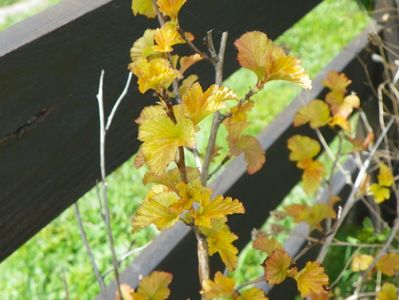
{"x":8,"y":2}
{"x":15,"y":18}
{"x":35,"y":270}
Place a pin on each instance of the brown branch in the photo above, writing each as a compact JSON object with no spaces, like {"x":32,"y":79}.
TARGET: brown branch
{"x":203,"y":259}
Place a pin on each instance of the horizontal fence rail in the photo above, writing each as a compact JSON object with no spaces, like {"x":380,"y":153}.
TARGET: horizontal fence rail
{"x":172,"y":250}
{"x":49,"y":70}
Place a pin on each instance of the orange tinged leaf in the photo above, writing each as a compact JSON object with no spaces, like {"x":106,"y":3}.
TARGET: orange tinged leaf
{"x":388,"y":292}
{"x":311,"y":215}
{"x":127,"y":293}
{"x":312,"y":280}
{"x":252,"y":149}
{"x":337,"y":82}
{"x":155,"y":74}
{"x":266,"y":244}
{"x":269,"y":62}
{"x":388,"y":264}
{"x":312,"y":174}
{"x":171,"y":8}
{"x":361,"y":262}
{"x":342,"y":106}
{"x":302,"y":147}
{"x":143,"y":7}
{"x":316,"y":113}
{"x":221,"y":286}
{"x":154,"y":287}
{"x":277,"y":267}
{"x":187,"y":61}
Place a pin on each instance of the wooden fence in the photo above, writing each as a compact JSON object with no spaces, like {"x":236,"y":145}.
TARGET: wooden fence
{"x":49,"y":70}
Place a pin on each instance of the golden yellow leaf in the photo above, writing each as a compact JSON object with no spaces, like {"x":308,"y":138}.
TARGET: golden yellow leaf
{"x":277,"y":267}
{"x":150,"y":112}
{"x":154,"y":287}
{"x":187,"y":61}
{"x":156,"y":74}
{"x":266,"y":244}
{"x":143,"y":7}
{"x":388,"y":264}
{"x":191,"y":192}
{"x":388,"y":292}
{"x":220,"y":239}
{"x":166,"y":37}
{"x":216,"y":208}
{"x":385,"y":177}
{"x":269,"y":62}
{"x":157,"y":209}
{"x":252,"y":149}
{"x":187,"y":84}
{"x":312,"y":280}
{"x":171,"y":8}
{"x":199,"y":104}
{"x":361,"y":262}
{"x":161,"y":138}
{"x":143,"y":47}
{"x":252,"y":294}
{"x":337,"y":82}
{"x":340,"y":122}
{"x":221,"y":286}
{"x":312,"y":174}
{"x":379,"y":192}
{"x":302,"y":147}
{"x":316,"y":113}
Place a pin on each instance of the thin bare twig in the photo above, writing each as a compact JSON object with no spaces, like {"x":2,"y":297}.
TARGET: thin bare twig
{"x":66,"y":287}
{"x":217,"y":116}
{"x":106,"y":214}
{"x":89,"y":251}
{"x":117,"y":103}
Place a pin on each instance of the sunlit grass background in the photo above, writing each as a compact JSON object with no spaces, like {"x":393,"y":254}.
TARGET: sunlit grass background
{"x":37,"y":270}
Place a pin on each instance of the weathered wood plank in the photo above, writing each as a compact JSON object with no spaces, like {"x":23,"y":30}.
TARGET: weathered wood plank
{"x":49,"y":70}
{"x":174,"y":250}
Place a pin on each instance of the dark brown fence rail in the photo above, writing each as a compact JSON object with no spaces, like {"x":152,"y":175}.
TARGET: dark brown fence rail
{"x":49,"y":71}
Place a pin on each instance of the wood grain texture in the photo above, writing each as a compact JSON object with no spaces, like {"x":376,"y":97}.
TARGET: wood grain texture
{"x":262,"y":192}
{"x":49,"y":70}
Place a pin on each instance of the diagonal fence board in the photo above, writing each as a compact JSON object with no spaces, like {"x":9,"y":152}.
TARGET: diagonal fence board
{"x":49,"y":71}
{"x":174,"y":250}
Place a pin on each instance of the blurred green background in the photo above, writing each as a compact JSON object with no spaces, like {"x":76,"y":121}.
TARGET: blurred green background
{"x":56,"y":254}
